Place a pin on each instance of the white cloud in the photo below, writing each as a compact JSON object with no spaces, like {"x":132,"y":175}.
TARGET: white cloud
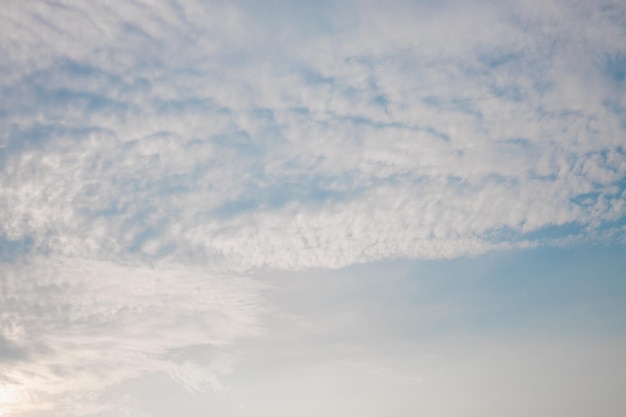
{"x":82,"y":326}
{"x":500,"y":121}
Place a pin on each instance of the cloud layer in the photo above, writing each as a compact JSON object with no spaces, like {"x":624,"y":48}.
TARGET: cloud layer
{"x":342,"y":135}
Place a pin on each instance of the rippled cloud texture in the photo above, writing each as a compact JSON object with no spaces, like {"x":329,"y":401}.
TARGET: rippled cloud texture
{"x":155,"y":155}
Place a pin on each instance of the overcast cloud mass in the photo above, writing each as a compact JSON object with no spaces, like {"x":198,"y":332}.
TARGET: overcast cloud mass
{"x":312,"y":208}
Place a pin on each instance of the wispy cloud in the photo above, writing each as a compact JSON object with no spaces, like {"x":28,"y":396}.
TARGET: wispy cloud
{"x":72,"y":326}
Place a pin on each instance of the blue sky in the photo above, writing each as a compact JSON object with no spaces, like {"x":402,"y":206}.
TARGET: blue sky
{"x":305,"y":208}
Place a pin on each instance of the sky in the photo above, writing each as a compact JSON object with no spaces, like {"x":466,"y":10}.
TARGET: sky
{"x":305,"y":208}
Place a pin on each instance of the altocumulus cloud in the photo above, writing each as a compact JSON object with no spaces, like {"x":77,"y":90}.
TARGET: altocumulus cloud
{"x":154,"y":152}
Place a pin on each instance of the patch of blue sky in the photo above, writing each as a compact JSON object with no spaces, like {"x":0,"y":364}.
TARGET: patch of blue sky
{"x":604,"y":154}
{"x":453,"y":104}
{"x":135,"y":31}
{"x":508,"y":92}
{"x":621,"y":183}
{"x":13,"y":249}
{"x":615,"y":106}
{"x":307,"y":19}
{"x":40,"y":135}
{"x":189,"y":106}
{"x":516,"y":142}
{"x":78,"y":73}
{"x":303,"y":111}
{"x":453,"y":179}
{"x":143,"y":193}
{"x":55,"y":104}
{"x":312,"y":77}
{"x":267,"y":132}
{"x":514,"y":291}
{"x":240,"y":146}
{"x":495,"y":178}
{"x":615,"y":67}
{"x":437,"y":133}
{"x":381,"y":100}
{"x":134,"y":197}
{"x":612,"y":232}
{"x":611,"y":192}
{"x":553,"y":176}
{"x":144,"y":235}
{"x":112,"y":210}
{"x":310,"y":193}
{"x":587,"y":199}
{"x":68,"y":72}
{"x":501,"y":58}
{"x":540,"y":287}
{"x":363,"y":121}
{"x":86,"y":102}
{"x":564,"y":114}
{"x":146,"y":224}
{"x":546,"y":234}
{"x":542,"y":86}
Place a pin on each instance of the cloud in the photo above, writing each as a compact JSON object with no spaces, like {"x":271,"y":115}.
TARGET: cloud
{"x":139,"y":129}
{"x":147,"y":143}
{"x":77,"y":327}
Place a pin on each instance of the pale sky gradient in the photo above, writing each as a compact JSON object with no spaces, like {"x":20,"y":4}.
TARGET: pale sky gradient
{"x":354,"y":208}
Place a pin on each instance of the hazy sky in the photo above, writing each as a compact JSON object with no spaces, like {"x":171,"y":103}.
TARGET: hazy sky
{"x":312,"y":208}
